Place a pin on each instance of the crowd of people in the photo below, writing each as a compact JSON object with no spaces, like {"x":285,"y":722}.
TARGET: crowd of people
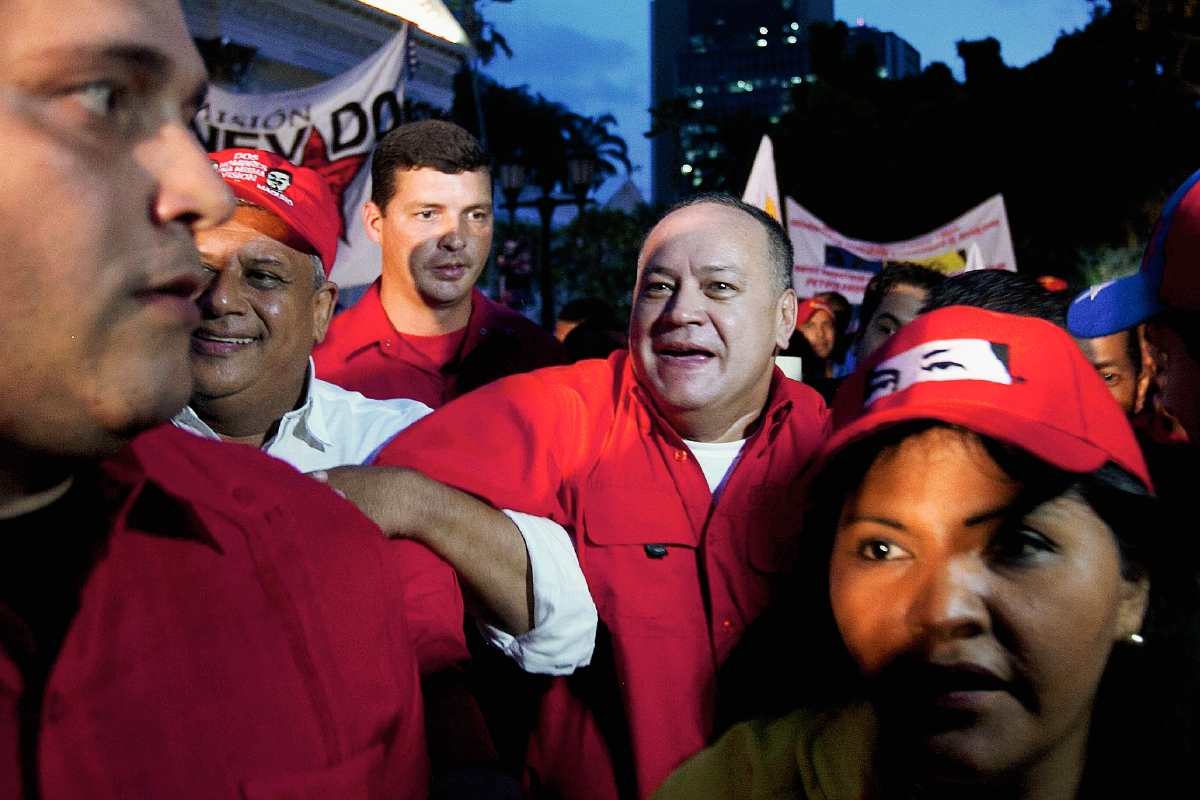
{"x":421,"y":548}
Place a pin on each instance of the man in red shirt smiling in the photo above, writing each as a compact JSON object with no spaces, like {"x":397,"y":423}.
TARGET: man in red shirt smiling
{"x":674,"y":465}
{"x":423,"y":331}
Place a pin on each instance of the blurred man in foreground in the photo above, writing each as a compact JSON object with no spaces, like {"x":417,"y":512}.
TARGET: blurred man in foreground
{"x":674,"y":465}
{"x":174,"y":622}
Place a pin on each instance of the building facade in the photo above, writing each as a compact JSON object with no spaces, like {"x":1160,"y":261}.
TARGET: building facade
{"x":895,"y":58}
{"x":275,"y":45}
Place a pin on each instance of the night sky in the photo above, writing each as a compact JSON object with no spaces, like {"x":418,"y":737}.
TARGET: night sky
{"x":594,"y":55}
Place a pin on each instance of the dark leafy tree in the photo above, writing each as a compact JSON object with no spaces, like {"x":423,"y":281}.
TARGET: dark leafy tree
{"x":595,"y":255}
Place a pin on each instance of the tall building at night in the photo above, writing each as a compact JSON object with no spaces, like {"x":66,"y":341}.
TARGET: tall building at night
{"x":724,"y":58}
{"x":718,"y":60}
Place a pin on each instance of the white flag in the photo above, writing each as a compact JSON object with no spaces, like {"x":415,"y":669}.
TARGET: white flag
{"x":331,"y":128}
{"x":762,"y":190}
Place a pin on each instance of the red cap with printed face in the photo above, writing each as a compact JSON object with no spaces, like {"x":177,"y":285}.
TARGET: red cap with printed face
{"x":1019,"y":380}
{"x":298,"y":196}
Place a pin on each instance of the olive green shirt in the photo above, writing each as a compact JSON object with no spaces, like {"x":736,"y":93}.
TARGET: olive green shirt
{"x":804,"y":756}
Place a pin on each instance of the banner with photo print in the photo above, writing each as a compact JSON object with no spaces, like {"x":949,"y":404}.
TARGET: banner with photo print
{"x":828,"y":261}
{"x":332,"y":128}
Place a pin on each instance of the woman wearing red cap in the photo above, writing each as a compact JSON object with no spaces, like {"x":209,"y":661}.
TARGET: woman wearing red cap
{"x":991,"y":609}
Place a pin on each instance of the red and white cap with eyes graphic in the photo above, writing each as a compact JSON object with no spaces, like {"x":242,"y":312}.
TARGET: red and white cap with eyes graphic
{"x":1020,"y":380}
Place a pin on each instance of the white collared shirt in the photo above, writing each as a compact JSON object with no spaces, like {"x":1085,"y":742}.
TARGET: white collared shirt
{"x":335,"y":428}
{"x":332,"y":428}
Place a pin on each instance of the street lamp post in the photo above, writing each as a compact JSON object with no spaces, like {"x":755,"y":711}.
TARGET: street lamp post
{"x":580,"y":171}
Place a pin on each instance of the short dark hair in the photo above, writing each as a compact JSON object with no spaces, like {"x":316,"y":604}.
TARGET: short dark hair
{"x":898,"y":273}
{"x":1004,"y":291}
{"x":779,"y":247}
{"x":430,"y":143}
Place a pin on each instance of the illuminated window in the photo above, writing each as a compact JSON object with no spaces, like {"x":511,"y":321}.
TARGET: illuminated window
{"x":791,"y":40}
{"x":762,"y":42}
{"x":763,"y":31}
{"x":686,"y":169}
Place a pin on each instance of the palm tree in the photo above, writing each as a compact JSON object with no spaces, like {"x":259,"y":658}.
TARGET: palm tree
{"x":590,"y":138}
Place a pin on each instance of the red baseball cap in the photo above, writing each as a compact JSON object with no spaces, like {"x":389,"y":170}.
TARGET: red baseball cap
{"x":298,"y":196}
{"x":809,"y":307}
{"x":1020,"y":380}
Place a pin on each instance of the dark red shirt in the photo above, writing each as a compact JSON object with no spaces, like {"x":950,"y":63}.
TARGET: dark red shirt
{"x":364,"y":353}
{"x":676,"y":579}
{"x":241,"y":635}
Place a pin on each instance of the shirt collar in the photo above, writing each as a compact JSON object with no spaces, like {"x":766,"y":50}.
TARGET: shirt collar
{"x":305,"y":423}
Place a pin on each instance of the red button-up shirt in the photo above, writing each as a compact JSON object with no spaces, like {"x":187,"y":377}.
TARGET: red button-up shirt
{"x":364,"y":353}
{"x":242,"y":637}
{"x":585,"y":446}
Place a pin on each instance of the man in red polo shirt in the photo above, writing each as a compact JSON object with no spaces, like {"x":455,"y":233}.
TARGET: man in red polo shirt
{"x":423,"y":331}
{"x":674,"y":465}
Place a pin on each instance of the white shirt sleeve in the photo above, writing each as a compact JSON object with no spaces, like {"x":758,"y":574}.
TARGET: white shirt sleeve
{"x":564,"y":616}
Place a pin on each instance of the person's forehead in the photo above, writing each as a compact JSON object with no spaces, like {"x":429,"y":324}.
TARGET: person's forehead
{"x":706,"y":235}
{"x":46,"y":32}
{"x":428,"y":185}
{"x":1110,"y":349}
{"x":820,"y":317}
{"x":252,"y":232}
{"x":903,"y":301}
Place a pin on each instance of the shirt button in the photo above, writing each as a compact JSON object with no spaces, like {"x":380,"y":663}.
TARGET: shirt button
{"x":681,"y":455}
{"x":483,"y":331}
{"x":387,"y":342}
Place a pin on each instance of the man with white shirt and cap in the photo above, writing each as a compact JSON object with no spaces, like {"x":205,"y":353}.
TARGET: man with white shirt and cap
{"x":267,"y":302}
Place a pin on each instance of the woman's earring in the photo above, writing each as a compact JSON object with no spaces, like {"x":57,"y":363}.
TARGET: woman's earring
{"x":1135,"y":639}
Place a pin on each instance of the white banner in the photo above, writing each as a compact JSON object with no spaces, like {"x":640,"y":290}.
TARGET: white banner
{"x":828,"y":261}
{"x":331,"y":128}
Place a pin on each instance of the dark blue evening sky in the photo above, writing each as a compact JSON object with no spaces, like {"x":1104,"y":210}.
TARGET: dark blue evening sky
{"x":594,"y":55}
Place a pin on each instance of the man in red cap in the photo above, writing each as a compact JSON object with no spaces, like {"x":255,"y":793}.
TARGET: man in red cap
{"x":815,"y":322}
{"x":674,"y":466}
{"x":423,"y":330}
{"x":179,"y":618}
{"x":266,"y":303}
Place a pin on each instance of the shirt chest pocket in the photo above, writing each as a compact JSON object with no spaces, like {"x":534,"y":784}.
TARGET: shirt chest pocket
{"x":770,"y":521}
{"x":640,"y":561}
